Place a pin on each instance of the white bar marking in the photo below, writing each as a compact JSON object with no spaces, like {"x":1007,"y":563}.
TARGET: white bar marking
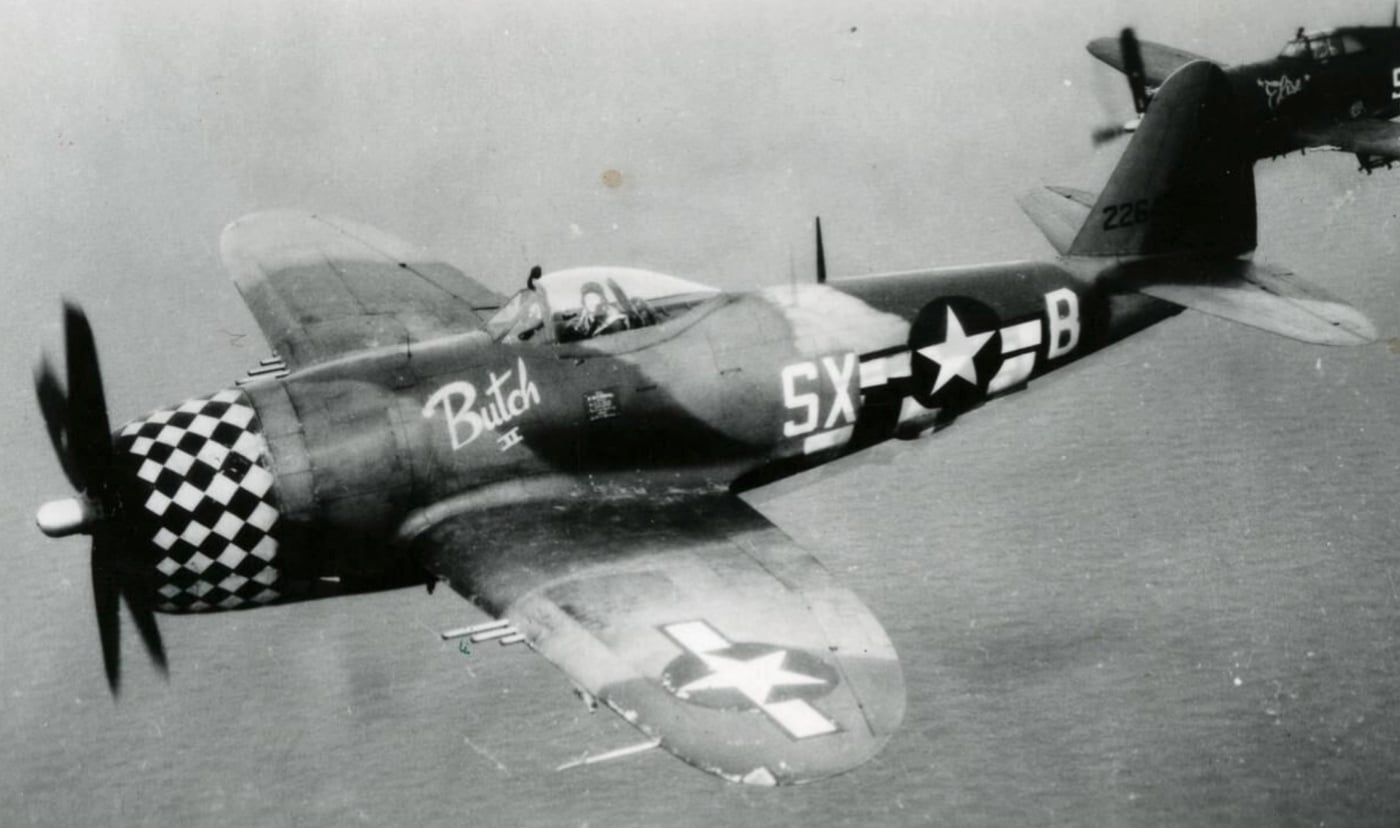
{"x":1020,"y":337}
{"x":872,"y":373}
{"x":827,"y":439}
{"x":697,"y":637}
{"x":1013,"y":372}
{"x":800,"y":719}
{"x":897,"y":365}
{"x":912,"y":409}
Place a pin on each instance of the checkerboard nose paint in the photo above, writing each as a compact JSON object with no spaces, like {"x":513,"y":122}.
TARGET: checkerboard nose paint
{"x":204,"y":502}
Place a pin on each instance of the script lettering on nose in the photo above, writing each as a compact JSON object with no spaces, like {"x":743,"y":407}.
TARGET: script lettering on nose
{"x":508,"y":396}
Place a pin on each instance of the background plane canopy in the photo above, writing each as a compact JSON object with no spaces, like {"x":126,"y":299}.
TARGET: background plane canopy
{"x":1321,"y":46}
{"x":584,"y":302}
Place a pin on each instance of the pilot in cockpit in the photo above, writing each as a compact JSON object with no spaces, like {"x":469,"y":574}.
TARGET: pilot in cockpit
{"x":599,"y":316}
{"x":1299,"y":46}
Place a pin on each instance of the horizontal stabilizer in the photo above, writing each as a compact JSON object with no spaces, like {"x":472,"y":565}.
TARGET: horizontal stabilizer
{"x":1059,"y":212}
{"x":1255,"y":294}
{"x":1082,"y":197}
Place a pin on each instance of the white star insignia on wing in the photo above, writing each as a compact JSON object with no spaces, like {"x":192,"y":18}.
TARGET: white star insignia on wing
{"x":755,"y":678}
{"x":954,"y":354}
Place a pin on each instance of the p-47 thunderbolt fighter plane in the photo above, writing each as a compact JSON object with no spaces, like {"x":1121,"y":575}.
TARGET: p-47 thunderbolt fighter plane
{"x":1333,"y":89}
{"x":570,"y":460}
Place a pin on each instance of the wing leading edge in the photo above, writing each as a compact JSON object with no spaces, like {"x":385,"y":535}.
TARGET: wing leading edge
{"x":320,"y":286}
{"x":695,"y":619}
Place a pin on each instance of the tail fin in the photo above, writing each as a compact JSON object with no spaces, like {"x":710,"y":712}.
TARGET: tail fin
{"x":1180,"y":207}
{"x":1184,"y":184}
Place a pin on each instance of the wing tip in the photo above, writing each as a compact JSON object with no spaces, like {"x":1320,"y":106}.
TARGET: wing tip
{"x":276,"y":216}
{"x":1106,"y":50}
{"x":253,"y":236}
{"x":793,"y":742}
{"x":286,"y":237}
{"x":1351,"y":328}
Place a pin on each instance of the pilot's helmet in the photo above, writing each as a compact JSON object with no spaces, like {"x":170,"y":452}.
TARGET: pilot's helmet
{"x":592,"y":289}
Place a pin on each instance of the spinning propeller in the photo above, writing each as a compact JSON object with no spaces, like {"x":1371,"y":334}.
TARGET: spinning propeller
{"x":78,"y":427}
{"x":1131,"y":53}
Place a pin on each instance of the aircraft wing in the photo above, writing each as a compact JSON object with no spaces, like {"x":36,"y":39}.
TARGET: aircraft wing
{"x":1364,"y":136}
{"x":695,"y":619}
{"x":320,"y":286}
{"x":1158,"y":61}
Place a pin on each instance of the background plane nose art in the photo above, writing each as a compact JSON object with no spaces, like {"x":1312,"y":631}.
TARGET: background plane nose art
{"x":201,"y":496}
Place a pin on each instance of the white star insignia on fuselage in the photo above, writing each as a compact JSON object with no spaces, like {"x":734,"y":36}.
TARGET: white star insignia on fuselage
{"x":955,"y":353}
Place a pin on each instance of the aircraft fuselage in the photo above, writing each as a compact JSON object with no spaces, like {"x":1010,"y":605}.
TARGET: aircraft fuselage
{"x":746,"y":385}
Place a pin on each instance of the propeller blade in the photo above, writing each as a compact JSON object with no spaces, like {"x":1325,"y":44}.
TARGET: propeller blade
{"x":1133,"y":68}
{"x":145,"y":619}
{"x":821,"y":255}
{"x":137,"y":594}
{"x":53,"y":402}
{"x":89,"y":433}
{"x":1102,"y":135}
{"x":82,"y":438}
{"x":106,"y":594}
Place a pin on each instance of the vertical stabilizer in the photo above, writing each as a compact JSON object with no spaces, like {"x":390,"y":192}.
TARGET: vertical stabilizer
{"x":1185,"y":183}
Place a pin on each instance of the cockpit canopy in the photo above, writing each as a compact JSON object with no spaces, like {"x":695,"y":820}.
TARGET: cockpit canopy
{"x":586,"y":302}
{"x":1322,"y":45}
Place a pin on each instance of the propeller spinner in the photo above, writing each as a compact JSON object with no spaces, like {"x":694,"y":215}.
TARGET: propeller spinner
{"x":79,"y":429}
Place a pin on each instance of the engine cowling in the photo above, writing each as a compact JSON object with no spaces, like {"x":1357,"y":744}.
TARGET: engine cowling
{"x":200,"y":498}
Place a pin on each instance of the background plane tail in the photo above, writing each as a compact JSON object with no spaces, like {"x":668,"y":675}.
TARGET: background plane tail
{"x":1184,"y":184}
{"x":1177,"y":214}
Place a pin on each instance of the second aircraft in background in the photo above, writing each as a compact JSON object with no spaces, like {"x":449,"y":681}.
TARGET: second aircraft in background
{"x":1333,"y":89}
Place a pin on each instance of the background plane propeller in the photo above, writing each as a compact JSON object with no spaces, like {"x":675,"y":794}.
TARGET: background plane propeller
{"x":76,"y":417}
{"x":1137,"y":85}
